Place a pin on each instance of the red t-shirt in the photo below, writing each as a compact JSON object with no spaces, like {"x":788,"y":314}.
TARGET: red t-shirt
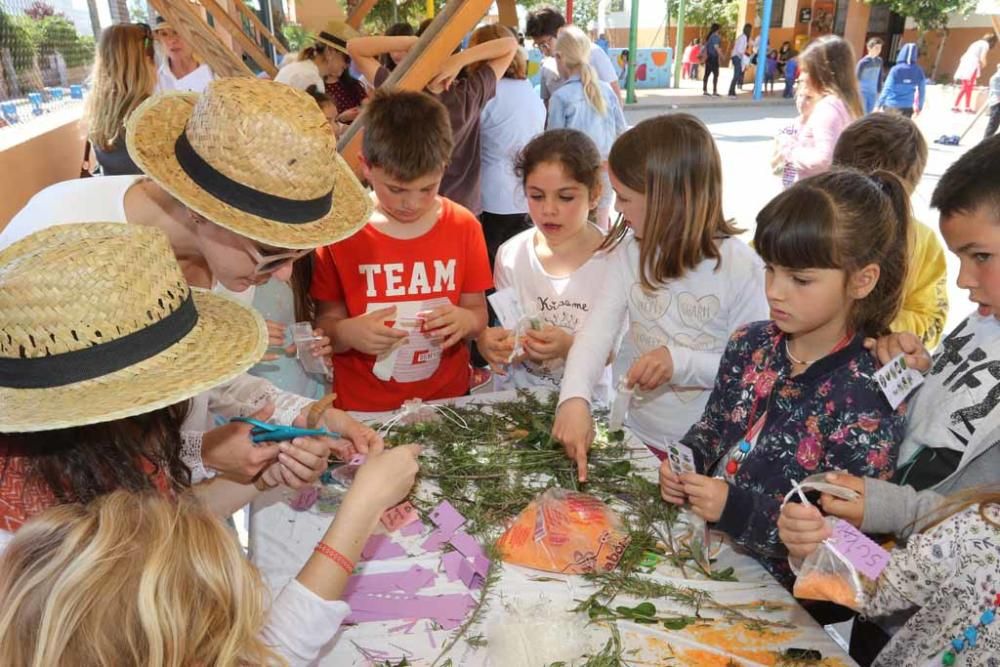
{"x":371,"y":271}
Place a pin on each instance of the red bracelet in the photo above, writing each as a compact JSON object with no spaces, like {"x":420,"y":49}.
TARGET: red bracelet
{"x":337,"y":557}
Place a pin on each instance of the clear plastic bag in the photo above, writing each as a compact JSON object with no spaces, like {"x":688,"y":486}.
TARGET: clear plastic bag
{"x":565,"y":531}
{"x":827,"y":575}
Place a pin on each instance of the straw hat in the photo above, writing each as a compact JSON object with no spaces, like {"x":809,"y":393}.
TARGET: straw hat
{"x":336,"y":35}
{"x":98,"y":323}
{"x":254,"y":156}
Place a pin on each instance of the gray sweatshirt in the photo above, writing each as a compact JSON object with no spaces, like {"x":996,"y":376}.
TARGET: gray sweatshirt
{"x":957,"y":409}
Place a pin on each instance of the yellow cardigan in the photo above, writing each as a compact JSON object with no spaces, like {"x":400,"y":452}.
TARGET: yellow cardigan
{"x":925,"y":297}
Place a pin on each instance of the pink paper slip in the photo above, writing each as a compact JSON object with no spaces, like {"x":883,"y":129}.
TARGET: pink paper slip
{"x":863,"y":553}
{"x":401,"y":515}
{"x":381,"y":547}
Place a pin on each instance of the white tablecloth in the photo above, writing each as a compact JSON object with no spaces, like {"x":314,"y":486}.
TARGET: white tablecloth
{"x":522,"y":610}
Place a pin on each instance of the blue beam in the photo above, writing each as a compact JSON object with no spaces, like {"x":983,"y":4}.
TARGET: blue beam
{"x":765,"y":28}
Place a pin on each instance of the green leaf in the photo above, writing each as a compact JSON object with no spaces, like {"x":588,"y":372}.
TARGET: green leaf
{"x":678,"y":623}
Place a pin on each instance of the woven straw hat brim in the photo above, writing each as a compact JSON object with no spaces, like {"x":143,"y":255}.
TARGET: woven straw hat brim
{"x":332,"y":45}
{"x":228,"y":339}
{"x":152,"y":131}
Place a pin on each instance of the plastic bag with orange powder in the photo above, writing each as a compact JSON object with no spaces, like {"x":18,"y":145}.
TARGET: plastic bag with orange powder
{"x":565,"y":531}
{"x":826,"y":574}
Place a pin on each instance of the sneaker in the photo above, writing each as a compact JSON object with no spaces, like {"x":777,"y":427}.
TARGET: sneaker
{"x":715,"y":95}
{"x":955,"y":110}
{"x":970,"y":111}
{"x":705,"y":93}
{"x":479,"y":378}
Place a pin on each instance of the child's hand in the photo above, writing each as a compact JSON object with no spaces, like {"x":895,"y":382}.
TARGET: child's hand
{"x":551,"y":342}
{"x":651,"y":370}
{"x":851,"y":511}
{"x":276,"y":338}
{"x":886,"y":348}
{"x":496,"y":344}
{"x":449,"y":324}
{"x":706,"y":495}
{"x":574,"y":428}
{"x":671,"y":487}
{"x":368,"y":333}
{"x":802,"y":528}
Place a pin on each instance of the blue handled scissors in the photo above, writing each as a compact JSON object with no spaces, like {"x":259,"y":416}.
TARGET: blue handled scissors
{"x":264,"y":432}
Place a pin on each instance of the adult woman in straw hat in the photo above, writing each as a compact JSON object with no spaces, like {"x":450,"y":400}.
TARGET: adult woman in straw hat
{"x":243,"y":179}
{"x":101,"y":343}
{"x":326,"y":58}
{"x":103,"y":346}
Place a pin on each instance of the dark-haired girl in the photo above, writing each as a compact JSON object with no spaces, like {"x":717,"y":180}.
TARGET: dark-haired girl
{"x":796,"y":395}
{"x":554,"y":266}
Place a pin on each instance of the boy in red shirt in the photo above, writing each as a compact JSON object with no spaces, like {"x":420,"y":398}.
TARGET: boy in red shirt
{"x":401,"y":297}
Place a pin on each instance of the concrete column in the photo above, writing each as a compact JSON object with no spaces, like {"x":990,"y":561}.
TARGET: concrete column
{"x":856,"y":27}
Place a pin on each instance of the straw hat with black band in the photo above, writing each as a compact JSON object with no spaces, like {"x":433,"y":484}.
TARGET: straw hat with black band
{"x":336,"y":35}
{"x":97,"y":323}
{"x":253,"y":156}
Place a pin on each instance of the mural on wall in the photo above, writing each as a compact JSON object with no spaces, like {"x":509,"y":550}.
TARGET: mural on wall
{"x":653,"y":67}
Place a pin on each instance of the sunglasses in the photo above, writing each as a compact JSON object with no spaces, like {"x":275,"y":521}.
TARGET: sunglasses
{"x":269,"y":262}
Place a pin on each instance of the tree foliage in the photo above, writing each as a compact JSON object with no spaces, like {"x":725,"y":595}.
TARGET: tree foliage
{"x":38,"y":10}
{"x":706,"y":12}
{"x":16,"y":37}
{"x":929,"y":14}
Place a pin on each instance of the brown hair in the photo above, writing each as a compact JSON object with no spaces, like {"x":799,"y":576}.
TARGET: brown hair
{"x":518,"y":68}
{"x":884,"y":141}
{"x":406,"y":133}
{"x":829,"y":61}
{"x":79,"y":464}
{"x":130,"y":579}
{"x":675,"y":163}
{"x":843,"y":219}
{"x":873,"y":42}
{"x":300,"y":282}
{"x":572,"y":149}
{"x":978,"y":495}
{"x":124,"y":75}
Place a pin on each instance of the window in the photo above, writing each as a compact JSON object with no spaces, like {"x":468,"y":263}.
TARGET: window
{"x":777,"y":12}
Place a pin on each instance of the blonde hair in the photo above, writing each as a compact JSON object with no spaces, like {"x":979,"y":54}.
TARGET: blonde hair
{"x":674,"y":162}
{"x":829,"y":62}
{"x":129,"y":580}
{"x":123,"y":76}
{"x":984,"y":496}
{"x":573,"y":49}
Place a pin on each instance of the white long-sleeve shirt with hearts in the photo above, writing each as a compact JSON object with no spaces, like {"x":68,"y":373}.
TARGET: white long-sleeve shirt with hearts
{"x":692,"y":316}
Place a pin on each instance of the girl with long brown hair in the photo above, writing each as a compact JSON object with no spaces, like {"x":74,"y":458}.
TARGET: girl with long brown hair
{"x":676,"y":273}
{"x":124,"y":75}
{"x":830,"y":100}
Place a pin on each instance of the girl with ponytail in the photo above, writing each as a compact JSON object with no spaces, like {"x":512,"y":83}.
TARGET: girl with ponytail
{"x":585,"y":103}
{"x":796,"y":395}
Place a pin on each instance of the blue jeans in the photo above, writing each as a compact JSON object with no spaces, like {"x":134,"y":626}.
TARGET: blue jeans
{"x":869,"y":98}
{"x":737,"y":75}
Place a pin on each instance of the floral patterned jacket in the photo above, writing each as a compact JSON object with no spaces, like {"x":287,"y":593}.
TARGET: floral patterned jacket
{"x":831,"y":417}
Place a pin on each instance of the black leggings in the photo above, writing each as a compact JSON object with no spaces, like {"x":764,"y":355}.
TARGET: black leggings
{"x":711,"y":67}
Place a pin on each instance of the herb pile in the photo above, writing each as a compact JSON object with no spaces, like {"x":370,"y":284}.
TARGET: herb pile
{"x":490,"y":461}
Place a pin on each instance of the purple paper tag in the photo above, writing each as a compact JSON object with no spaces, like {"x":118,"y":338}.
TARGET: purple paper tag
{"x":863,"y":553}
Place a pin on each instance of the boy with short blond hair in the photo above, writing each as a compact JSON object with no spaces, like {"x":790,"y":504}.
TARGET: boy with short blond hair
{"x":401,"y":296}
{"x":895,"y":144}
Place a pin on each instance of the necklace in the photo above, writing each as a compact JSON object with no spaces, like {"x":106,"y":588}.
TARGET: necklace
{"x":795,"y":360}
{"x":968,"y":638}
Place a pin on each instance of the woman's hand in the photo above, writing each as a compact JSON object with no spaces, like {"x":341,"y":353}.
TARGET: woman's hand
{"x":355,"y":437}
{"x":386,"y":477}
{"x":230,"y":450}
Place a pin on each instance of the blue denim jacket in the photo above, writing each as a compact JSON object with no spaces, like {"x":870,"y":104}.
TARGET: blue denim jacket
{"x":570,"y":108}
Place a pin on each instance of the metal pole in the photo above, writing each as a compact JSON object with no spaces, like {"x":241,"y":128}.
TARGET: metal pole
{"x":679,"y":42}
{"x":430,"y":9}
{"x":765,"y":27}
{"x":569,"y":12}
{"x":633,"y":40}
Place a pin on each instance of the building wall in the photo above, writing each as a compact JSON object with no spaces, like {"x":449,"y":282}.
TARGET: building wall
{"x":35,"y":163}
{"x":955,"y":44}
